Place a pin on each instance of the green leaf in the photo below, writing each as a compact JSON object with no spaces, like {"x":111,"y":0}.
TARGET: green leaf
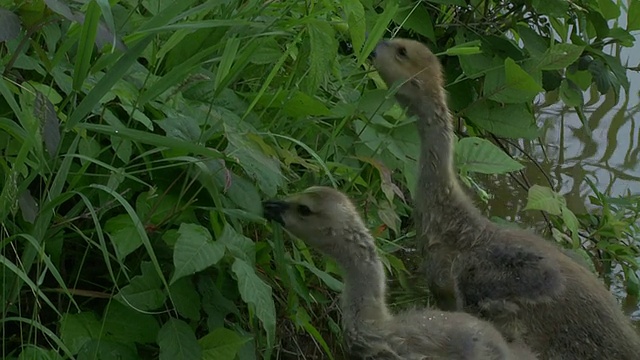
{"x":333,"y":283}
{"x":102,"y":349}
{"x":265,"y":170}
{"x":609,"y":9}
{"x":122,"y":232}
{"x":378,"y":30}
{"x":186,"y":298}
{"x":322,"y":54}
{"x":221,"y":344}
{"x":9,"y":25}
{"x":418,"y":19}
{"x":511,"y":120}
{"x":77,"y":329}
{"x":238,"y":245}
{"x":559,"y":56}
{"x":570,"y":220}
{"x":554,"y":8}
{"x":570,"y":94}
{"x":86,"y":44}
{"x":513,"y":85}
{"x":474,"y":66}
{"x":354,"y":11}
{"x":115,"y":73}
{"x":545,"y":199}
{"x":178,"y":342}
{"x":474,"y":154}
{"x":633,"y":15}
{"x":226,"y":61}
{"x":181,"y":127}
{"x":128,"y":326}
{"x":257,"y":294}
{"x":194,"y":251}
{"x":144,"y":292}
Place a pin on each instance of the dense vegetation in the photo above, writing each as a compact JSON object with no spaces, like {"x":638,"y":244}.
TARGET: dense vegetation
{"x":138,"y":139}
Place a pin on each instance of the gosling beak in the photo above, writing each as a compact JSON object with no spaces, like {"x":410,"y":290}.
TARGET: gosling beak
{"x":273,"y":210}
{"x":382,"y":43}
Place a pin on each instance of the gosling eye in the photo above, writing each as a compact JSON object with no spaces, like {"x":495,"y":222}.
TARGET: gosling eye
{"x":304,"y":210}
{"x":402,"y":51}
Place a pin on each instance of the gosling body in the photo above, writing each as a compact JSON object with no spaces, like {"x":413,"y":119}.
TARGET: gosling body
{"x":523,"y":284}
{"x":327,"y":221}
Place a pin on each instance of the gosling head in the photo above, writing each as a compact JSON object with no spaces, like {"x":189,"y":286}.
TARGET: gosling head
{"x":410,"y":63}
{"x":320,"y":216}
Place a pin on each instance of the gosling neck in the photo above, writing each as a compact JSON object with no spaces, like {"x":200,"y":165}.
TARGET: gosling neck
{"x":435,"y":130}
{"x":363,"y":297}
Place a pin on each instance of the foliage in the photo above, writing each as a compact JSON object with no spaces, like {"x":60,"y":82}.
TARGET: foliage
{"x":139,"y":138}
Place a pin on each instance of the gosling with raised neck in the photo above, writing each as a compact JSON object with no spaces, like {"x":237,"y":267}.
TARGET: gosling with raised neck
{"x":525,"y":285}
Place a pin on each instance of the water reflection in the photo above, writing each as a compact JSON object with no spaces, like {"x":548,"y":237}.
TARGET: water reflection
{"x":607,"y":151}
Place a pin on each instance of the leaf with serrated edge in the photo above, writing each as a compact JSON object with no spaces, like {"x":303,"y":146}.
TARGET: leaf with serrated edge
{"x":257,"y":293}
{"x":178,"y":342}
{"x":474,"y":154}
{"x":545,"y":199}
{"x":194,"y":251}
{"x":324,"y":51}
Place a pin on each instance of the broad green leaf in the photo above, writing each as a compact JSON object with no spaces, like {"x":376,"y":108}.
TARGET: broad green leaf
{"x":102,"y":349}
{"x":144,"y":292}
{"x":238,"y":245}
{"x":9,"y":25}
{"x":186,"y":298}
{"x":511,"y":85}
{"x":417,"y":19}
{"x":570,"y":220}
{"x":86,"y":44}
{"x":77,"y":329}
{"x":545,"y":199}
{"x":128,"y":326}
{"x":460,"y":3}
{"x":181,"y":127}
{"x":570,"y":94}
{"x":511,"y":120}
{"x":535,"y":44}
{"x":609,"y":9}
{"x":123,"y":234}
{"x":474,"y":154}
{"x":178,"y":342}
{"x":322,"y":54}
{"x":194,"y":251}
{"x":474,"y":66}
{"x":559,"y":56}
{"x":553,"y":8}
{"x":633,"y":15}
{"x":255,"y":292}
{"x":265,"y":170}
{"x":221,"y":344}
{"x":355,"y":14}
